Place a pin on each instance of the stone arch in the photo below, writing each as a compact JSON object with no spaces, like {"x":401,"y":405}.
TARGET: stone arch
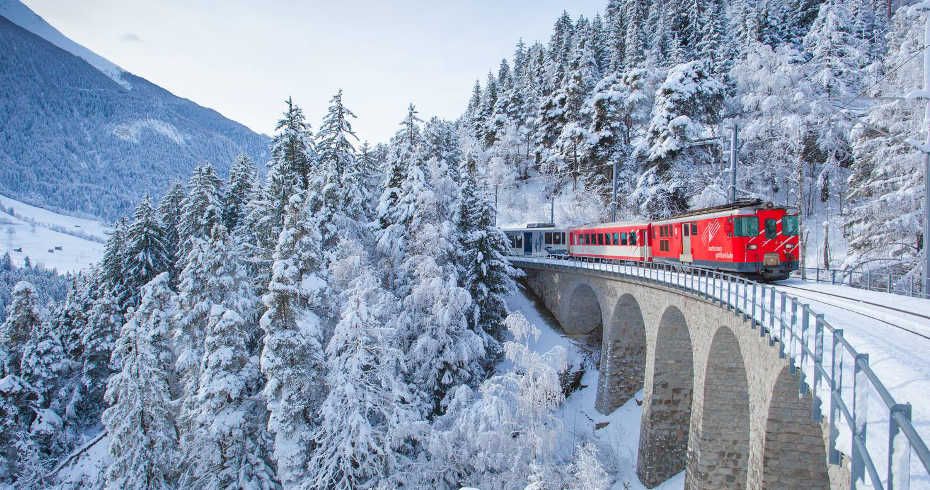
{"x":623,"y":356}
{"x":794,"y":454}
{"x":663,"y":441}
{"x":720,"y":456}
{"x":581,"y":314}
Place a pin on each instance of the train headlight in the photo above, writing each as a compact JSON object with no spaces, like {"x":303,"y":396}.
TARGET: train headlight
{"x":789,"y":246}
{"x":752,"y":247}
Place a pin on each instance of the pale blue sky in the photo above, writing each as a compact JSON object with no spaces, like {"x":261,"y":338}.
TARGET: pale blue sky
{"x":243,"y":58}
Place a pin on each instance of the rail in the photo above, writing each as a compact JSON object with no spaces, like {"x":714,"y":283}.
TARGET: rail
{"x":883,"y":282}
{"x":878,"y":444}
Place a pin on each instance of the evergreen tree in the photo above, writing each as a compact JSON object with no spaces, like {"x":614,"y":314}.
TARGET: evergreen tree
{"x":225,"y":444}
{"x":112,"y":263}
{"x":886,"y":181}
{"x":201,"y":209}
{"x":687,"y":102}
{"x":145,"y":256}
{"x":239,"y":189}
{"x":353,"y":441}
{"x":140,"y":422}
{"x":292,"y":161}
{"x":169,"y":215}
{"x":486,"y":273}
{"x":292,"y":354}
{"x":23,"y":316}
{"x":340,"y":202}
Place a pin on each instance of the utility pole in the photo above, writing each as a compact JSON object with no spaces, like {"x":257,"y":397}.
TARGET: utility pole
{"x":552,"y":210}
{"x":616,"y":185}
{"x":733,"y":146}
{"x":924,"y":93}
{"x":927,"y":152}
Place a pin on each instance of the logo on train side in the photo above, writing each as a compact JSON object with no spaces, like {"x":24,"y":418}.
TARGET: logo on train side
{"x":710,"y":231}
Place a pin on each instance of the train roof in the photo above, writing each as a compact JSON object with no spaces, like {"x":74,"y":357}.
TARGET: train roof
{"x":737,"y":207}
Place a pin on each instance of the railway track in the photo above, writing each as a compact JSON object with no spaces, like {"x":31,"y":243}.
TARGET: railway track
{"x":818,"y":297}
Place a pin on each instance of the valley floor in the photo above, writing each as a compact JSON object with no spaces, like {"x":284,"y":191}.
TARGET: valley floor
{"x":51,"y":240}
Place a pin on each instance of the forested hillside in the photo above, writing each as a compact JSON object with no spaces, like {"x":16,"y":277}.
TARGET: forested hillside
{"x":76,"y":140}
{"x":339,"y":321}
{"x":815,"y":88}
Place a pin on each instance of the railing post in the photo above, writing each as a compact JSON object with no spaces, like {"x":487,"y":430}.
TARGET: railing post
{"x":868,"y":280}
{"x":781,"y":326}
{"x":729,"y":292}
{"x":836,"y":393}
{"x":771,"y":314}
{"x":833,"y":276}
{"x":752,"y":316}
{"x":889,"y":281}
{"x":816,"y":409}
{"x":745,"y":294}
{"x":792,"y":334}
{"x":860,"y":412}
{"x":805,"y":325}
{"x":899,"y":449}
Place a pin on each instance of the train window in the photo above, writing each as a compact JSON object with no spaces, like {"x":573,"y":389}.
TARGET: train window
{"x":547,"y":237}
{"x":746,"y":226}
{"x":557,"y":238}
{"x":686,"y":229}
{"x":600,"y":238}
{"x":633,"y":238}
{"x":518,"y":241}
{"x":663,"y":245}
{"x":789,"y":226}
{"x":623,"y":239}
{"x":770,"y":231}
{"x":693,"y":229}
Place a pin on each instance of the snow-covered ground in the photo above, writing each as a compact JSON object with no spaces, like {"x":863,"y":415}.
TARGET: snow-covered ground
{"x":619,"y":440}
{"x":29,"y":231}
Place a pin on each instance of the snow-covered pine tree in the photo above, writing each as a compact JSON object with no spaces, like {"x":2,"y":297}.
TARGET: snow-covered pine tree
{"x":292,"y":164}
{"x":256,"y":235}
{"x":486,"y":273}
{"x":43,"y":367}
{"x":201,"y":209}
{"x":353,"y":442}
{"x":678,"y":147}
{"x":341,"y":197}
{"x":169,"y":215}
{"x":225,"y":444}
{"x":17,"y":397}
{"x":242,"y":177}
{"x":443,"y":351}
{"x":508,"y":432}
{"x":292,"y":355}
{"x":23,"y":315}
{"x":145,"y":256}
{"x":98,"y":339}
{"x":111,"y":264}
{"x":140,"y":420}
{"x":886,"y":181}
{"x":836,"y":54}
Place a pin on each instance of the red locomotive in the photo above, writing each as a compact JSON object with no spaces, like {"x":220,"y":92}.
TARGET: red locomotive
{"x":747,"y":237}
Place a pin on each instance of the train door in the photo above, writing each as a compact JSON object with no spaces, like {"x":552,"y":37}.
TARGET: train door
{"x":527,"y":243}
{"x":686,"y":229}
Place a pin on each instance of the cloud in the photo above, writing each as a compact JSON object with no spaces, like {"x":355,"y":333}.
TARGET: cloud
{"x":130,"y":37}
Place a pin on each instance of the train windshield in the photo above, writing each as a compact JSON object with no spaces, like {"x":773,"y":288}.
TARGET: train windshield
{"x":770,"y":231}
{"x":789,"y":226}
{"x":746,"y":226}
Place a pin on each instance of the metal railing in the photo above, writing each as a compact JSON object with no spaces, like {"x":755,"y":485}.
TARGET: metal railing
{"x":883,"y":282}
{"x":838,"y":377}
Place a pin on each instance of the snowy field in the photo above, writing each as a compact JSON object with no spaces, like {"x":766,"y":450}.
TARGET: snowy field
{"x":619,"y":440}
{"x":52,"y":240}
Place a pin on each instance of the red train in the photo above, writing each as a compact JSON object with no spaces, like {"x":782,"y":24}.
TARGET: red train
{"x":747,"y":237}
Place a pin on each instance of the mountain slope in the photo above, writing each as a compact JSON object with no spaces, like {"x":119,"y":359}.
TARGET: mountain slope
{"x":74,"y":138}
{"x":22,"y":16}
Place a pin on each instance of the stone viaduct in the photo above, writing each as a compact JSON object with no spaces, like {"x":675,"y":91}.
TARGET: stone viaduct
{"x":718,"y":400}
